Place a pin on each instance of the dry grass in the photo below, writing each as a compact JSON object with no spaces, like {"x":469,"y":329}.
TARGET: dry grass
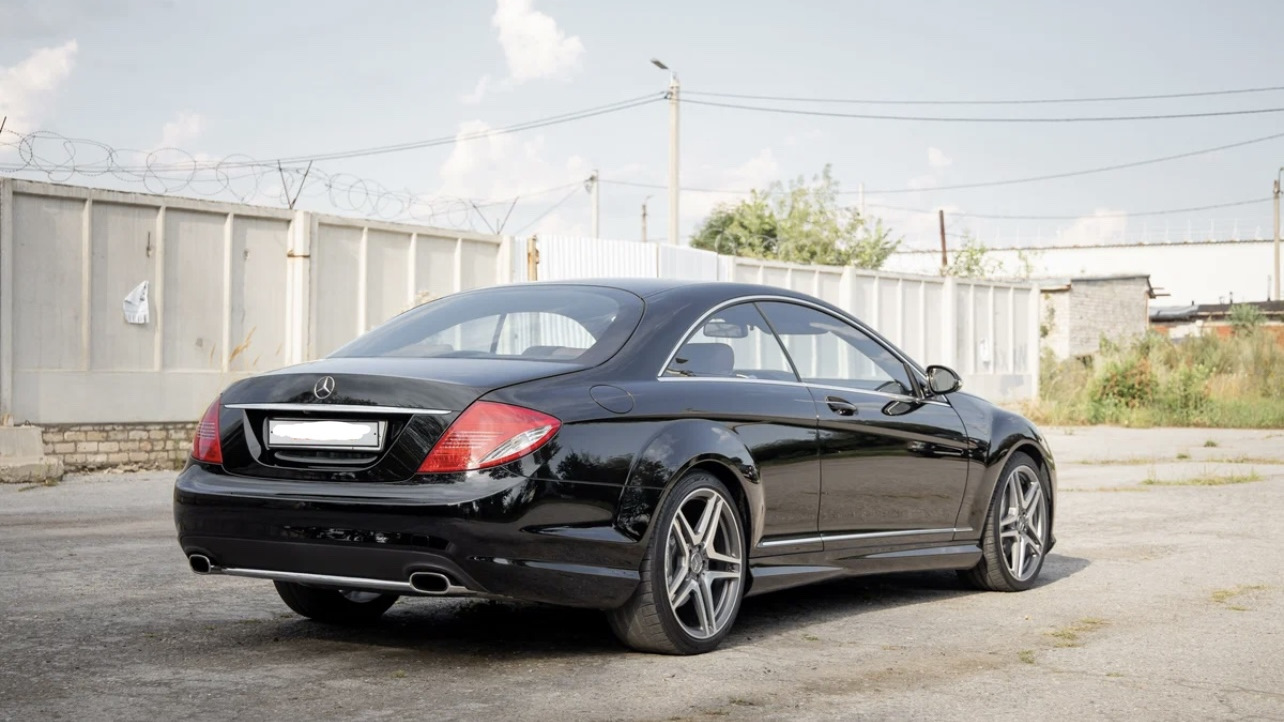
{"x":1207,"y":480}
{"x":1069,"y":636}
{"x":1221,"y":596}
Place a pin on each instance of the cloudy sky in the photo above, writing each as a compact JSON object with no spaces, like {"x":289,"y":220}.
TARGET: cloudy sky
{"x":297,"y":78}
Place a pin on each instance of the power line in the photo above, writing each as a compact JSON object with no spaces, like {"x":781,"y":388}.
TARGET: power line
{"x":226,"y":163}
{"x":1122,"y":214}
{"x":550,"y":209}
{"x":1076,"y":173}
{"x":1021,"y":101}
{"x":448,"y":140}
{"x":988,"y":184}
{"x":981,"y":119}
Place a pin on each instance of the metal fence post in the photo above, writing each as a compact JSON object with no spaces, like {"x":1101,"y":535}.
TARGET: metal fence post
{"x":298,"y":289}
{"x":1035,"y":343}
{"x":949,"y":324}
{"x":6,"y":299}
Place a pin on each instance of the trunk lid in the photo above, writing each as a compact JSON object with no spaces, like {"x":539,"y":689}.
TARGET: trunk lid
{"x":356,"y":419}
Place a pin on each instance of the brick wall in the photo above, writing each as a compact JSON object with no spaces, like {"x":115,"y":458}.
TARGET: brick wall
{"x":1115,"y":308}
{"x":129,"y":446}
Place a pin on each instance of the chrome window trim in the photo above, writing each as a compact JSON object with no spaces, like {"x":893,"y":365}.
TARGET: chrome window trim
{"x":340,"y":408}
{"x":863,"y":535}
{"x":874,"y":336}
{"x":845,"y":389}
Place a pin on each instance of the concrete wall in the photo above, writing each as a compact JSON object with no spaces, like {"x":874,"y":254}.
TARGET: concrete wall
{"x":1197,"y":272}
{"x":234,"y":290}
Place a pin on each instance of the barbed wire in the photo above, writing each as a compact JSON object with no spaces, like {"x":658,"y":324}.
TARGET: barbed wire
{"x":171,"y":171}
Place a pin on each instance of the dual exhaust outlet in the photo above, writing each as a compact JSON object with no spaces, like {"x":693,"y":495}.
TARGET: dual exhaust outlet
{"x":430,"y":583}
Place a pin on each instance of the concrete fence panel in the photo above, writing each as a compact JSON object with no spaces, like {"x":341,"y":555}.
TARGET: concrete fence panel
{"x":232,"y":290}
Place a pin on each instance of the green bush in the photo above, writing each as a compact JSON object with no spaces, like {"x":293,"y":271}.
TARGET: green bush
{"x":1236,"y":381}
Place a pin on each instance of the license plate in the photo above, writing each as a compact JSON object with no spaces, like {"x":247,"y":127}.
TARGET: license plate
{"x":325,"y":434}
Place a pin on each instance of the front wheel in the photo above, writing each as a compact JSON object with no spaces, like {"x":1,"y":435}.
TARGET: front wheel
{"x":335,"y":606}
{"x":693,"y":573}
{"x":1017,"y":531}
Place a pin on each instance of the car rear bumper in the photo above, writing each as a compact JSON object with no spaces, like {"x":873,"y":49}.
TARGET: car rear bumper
{"x":490,"y":534}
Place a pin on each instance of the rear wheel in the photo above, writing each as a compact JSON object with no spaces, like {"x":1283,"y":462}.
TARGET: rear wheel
{"x":1017,"y":530}
{"x":693,"y":574}
{"x":335,"y":606}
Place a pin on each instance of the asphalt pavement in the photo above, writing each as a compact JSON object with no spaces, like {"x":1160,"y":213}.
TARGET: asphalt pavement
{"x":1163,"y":600}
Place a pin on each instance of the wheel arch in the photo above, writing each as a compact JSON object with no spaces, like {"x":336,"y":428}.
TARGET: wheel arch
{"x":675,"y":450}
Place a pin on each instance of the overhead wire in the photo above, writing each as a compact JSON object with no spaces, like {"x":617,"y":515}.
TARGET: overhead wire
{"x":1010,"y":101}
{"x":547,"y":211}
{"x":994,"y":183}
{"x":1119,"y":214}
{"x":980,"y":119}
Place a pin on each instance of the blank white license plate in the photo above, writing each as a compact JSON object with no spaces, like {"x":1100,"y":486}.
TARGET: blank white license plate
{"x":325,"y":434}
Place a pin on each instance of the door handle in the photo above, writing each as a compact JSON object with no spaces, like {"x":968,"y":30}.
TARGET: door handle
{"x":840,"y":406}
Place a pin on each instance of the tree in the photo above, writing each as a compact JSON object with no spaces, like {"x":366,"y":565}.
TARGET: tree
{"x":801,"y":223}
{"x":973,"y":260}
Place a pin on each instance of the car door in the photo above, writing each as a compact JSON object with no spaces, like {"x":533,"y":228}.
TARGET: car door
{"x":892,"y":463}
{"x":732,"y":369}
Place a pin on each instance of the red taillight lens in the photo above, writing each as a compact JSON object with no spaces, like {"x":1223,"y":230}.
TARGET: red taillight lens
{"x":489,"y":434}
{"x":205,"y":445}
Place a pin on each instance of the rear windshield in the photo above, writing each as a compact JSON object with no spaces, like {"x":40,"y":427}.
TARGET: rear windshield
{"x":575,"y":324}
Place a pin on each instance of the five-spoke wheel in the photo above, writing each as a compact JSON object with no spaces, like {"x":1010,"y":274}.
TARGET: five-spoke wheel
{"x":693,"y":574}
{"x":1016,"y":535}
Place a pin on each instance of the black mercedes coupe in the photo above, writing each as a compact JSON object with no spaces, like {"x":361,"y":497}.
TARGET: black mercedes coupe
{"x":655,"y":449}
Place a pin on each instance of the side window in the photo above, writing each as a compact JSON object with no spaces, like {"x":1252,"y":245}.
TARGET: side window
{"x":832,"y":352}
{"x":735,"y":342}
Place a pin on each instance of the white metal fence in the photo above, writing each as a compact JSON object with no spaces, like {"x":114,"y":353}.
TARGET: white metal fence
{"x":233,"y":290}
{"x":988,"y":331}
{"x":237,"y":289}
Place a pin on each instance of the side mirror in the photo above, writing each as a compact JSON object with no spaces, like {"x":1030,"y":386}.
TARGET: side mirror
{"x":942,"y":380}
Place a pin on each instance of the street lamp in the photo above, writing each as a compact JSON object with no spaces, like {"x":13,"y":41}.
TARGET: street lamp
{"x":672,"y":95}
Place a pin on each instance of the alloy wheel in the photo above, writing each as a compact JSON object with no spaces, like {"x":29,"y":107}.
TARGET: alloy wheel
{"x":703,"y":563}
{"x":1023,"y":526}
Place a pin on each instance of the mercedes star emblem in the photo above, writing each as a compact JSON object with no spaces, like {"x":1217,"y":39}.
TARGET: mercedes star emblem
{"x":324,"y":387}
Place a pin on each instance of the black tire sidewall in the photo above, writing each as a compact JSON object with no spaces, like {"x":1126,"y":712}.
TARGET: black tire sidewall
{"x":994,"y":530}
{"x":660,"y":533}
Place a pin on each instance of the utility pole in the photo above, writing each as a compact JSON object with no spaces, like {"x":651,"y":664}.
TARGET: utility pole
{"x":1277,"y":235}
{"x":597,"y":197}
{"x":673,"y":150}
{"x":944,"y":261}
{"x":644,"y":200}
{"x":861,"y":191}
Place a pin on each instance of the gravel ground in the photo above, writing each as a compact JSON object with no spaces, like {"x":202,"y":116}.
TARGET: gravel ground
{"x":1164,"y":602}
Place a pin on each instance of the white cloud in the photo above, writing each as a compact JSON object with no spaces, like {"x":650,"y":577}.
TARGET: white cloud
{"x":534,"y":46}
{"x":503,"y":166}
{"x":757,"y":172}
{"x":937,"y":159}
{"x":182,"y":130}
{"x":1103,"y":226}
{"x":479,"y":92}
{"x":26,"y":88}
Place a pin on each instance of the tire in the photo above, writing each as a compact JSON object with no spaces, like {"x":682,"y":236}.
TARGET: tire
{"x":1018,"y":527}
{"x":333,"y":606}
{"x":707,"y":571}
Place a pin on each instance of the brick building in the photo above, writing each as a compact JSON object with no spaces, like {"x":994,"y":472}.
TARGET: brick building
{"x":1078,"y":312}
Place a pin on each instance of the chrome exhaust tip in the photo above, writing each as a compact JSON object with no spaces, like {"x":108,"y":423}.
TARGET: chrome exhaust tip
{"x":201,"y":564}
{"x":430,"y":583}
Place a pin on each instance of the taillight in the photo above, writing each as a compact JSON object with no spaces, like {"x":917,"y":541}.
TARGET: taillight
{"x":489,"y":434}
{"x":205,"y":445}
